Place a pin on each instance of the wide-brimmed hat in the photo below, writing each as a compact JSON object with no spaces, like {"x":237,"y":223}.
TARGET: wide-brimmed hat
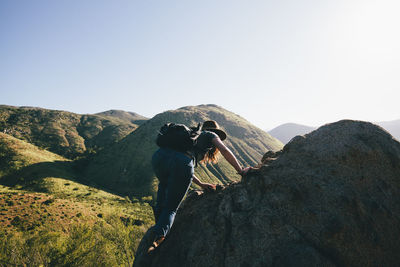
{"x":214,"y":127}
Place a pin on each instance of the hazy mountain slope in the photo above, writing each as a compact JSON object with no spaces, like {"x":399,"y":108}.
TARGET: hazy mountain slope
{"x":62,"y":132}
{"x":125,"y":116}
{"x":125,"y":167}
{"x":393,"y":127}
{"x":287,"y":131}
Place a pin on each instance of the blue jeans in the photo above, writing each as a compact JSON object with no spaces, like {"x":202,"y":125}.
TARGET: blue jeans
{"x":174,"y":171}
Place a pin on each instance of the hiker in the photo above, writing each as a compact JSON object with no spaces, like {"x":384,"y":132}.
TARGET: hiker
{"x":175,"y":172}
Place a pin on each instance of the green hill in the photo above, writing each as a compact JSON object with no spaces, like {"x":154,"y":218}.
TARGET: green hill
{"x":47,"y":218}
{"x":16,"y":154}
{"x":27,"y":169}
{"x":65,"y":133}
{"x":125,"y":167}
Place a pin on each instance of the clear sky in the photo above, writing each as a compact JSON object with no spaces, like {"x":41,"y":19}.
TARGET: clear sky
{"x":272,"y":62}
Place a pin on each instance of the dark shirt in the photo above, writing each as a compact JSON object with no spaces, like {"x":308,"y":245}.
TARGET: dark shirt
{"x":204,"y":144}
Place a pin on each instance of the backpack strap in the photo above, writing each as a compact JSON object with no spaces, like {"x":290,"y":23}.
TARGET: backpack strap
{"x":197,"y":130}
{"x":195,"y":133}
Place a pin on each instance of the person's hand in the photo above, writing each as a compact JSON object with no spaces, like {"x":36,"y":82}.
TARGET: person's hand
{"x":245,"y":171}
{"x":208,"y":187}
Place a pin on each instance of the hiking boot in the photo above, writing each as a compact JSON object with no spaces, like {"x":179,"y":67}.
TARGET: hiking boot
{"x":156,"y":244}
{"x":141,"y":254}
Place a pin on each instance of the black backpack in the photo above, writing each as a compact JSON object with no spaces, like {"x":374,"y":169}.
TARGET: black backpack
{"x":178,"y":137}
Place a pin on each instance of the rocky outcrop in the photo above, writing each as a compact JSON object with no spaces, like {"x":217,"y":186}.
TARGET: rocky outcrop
{"x":329,"y":198}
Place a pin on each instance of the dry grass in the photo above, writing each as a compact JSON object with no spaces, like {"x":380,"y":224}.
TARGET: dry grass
{"x":23,"y":211}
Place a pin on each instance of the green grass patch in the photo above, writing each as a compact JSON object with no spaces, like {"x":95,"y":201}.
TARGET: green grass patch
{"x":109,"y":242}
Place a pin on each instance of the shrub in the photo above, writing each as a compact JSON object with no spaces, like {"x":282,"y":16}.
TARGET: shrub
{"x":48,"y":202}
{"x":147,"y":199}
{"x":16,"y":221}
{"x":127,"y":199}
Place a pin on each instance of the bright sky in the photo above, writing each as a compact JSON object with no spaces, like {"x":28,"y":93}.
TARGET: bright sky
{"x":272,"y":62}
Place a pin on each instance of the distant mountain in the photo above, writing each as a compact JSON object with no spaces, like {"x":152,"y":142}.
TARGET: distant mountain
{"x":126,"y":166}
{"x":287,"y":131}
{"x":65,"y":133}
{"x":393,"y":127}
{"x":125,"y":116}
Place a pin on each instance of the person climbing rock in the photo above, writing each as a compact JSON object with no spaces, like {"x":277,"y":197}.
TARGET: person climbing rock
{"x":175,"y":171}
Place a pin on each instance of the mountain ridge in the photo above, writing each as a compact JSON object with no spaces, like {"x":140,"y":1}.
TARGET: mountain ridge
{"x":62,"y":132}
{"x":126,"y":116}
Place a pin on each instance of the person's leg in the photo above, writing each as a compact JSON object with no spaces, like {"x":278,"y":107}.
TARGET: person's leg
{"x":161,"y":199}
{"x":179,"y":181}
{"x":160,"y":162}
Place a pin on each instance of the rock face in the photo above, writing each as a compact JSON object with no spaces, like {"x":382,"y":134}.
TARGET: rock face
{"x":330,"y":198}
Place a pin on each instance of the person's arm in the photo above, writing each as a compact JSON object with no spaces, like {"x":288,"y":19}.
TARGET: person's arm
{"x":205,"y":186}
{"x":228,"y":155}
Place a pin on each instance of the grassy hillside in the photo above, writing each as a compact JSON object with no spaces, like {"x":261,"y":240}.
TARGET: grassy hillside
{"x":16,"y":154}
{"x":65,"y":203}
{"x":47,"y":218}
{"x":76,"y":226}
{"x":61,"y":132}
{"x":125,"y":167}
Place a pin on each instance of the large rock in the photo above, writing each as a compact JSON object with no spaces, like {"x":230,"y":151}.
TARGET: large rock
{"x":330,"y":198}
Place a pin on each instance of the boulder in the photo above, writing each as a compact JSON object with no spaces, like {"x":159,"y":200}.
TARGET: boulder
{"x":329,"y":198}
